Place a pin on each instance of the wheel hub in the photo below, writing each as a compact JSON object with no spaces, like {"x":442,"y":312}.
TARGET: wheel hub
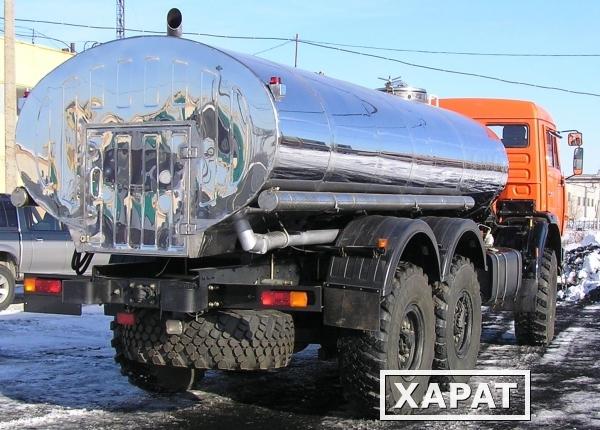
{"x":4,"y":288}
{"x":410,"y":344}
{"x":463,"y":323}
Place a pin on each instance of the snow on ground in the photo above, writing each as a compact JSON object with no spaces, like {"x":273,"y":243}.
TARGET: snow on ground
{"x":581,"y":276}
{"x":57,"y":372}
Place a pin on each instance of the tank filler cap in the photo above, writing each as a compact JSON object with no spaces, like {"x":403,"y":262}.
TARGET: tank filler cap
{"x":397,"y":87}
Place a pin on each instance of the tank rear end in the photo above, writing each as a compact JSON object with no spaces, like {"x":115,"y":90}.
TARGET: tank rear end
{"x":140,"y":145}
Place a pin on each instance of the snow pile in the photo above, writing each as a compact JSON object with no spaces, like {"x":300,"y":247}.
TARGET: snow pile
{"x":577,"y":238}
{"x":582,"y":269}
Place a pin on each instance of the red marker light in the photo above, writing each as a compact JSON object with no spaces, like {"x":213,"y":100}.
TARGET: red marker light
{"x":125,"y":318}
{"x":275,"y":80}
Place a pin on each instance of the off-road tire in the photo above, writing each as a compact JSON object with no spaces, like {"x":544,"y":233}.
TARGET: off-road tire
{"x":457,"y":303}
{"x":537,"y":328}
{"x":149,"y":377}
{"x":363,"y":354}
{"x":225,"y":340}
{"x":8,"y":288}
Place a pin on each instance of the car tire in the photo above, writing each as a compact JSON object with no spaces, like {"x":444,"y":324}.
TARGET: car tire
{"x":7,"y":287}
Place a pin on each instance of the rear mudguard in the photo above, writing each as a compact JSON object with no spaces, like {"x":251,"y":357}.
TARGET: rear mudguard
{"x":457,"y":236}
{"x":355,"y":284}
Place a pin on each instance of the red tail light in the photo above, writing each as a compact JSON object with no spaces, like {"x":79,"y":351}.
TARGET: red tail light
{"x":125,"y":318}
{"x":275,"y":80}
{"x":43,"y":286}
{"x":293,"y":299}
{"x":275,"y":298}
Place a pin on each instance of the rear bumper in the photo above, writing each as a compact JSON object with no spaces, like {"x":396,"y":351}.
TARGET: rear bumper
{"x":167,"y":295}
{"x":170,"y":295}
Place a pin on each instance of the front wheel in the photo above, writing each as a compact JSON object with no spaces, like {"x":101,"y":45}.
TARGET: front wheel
{"x":405,"y":341}
{"x":537,"y":327}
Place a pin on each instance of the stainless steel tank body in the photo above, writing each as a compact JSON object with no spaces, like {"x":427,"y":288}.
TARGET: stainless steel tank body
{"x":142,"y":145}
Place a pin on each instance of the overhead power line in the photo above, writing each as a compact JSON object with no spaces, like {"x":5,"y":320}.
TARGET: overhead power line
{"x":466,"y":53}
{"x":344,"y":48}
{"x":455,"y":72}
{"x":380,"y":48}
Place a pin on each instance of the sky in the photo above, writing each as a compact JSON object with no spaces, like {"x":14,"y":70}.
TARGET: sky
{"x":506,"y":26}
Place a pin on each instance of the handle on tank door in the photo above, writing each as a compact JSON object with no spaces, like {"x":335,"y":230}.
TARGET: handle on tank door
{"x":95,"y":172}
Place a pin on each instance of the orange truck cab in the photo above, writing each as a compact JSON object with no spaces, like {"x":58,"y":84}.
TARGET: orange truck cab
{"x":535,"y":180}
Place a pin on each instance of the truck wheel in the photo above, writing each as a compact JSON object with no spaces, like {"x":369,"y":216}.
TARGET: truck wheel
{"x":405,"y":341}
{"x":537,"y":328}
{"x":150,"y":377}
{"x":458,"y":320}
{"x":7,"y":287}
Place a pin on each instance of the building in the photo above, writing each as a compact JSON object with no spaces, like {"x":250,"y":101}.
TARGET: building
{"x":583,"y":199}
{"x":32,"y":63}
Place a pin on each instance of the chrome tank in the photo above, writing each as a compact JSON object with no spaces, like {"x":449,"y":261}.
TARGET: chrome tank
{"x":141,"y":145}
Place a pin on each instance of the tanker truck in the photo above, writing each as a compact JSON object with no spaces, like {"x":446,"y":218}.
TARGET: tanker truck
{"x":252,"y":209}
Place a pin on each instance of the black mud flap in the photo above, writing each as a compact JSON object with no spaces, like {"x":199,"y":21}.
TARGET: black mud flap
{"x":47,"y":304}
{"x":342,"y":304}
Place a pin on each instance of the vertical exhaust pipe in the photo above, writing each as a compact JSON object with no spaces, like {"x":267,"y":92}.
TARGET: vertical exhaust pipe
{"x":174,"y":20}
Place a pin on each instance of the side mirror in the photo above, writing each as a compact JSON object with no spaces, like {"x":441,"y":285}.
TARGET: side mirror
{"x":578,"y":161}
{"x":575,"y":139}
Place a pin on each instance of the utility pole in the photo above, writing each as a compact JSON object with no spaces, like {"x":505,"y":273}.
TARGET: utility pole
{"x":296,"y":52}
{"x":8,"y":162}
{"x":120,"y":19}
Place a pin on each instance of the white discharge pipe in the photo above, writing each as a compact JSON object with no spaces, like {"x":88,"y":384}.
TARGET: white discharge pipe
{"x":258,"y":243}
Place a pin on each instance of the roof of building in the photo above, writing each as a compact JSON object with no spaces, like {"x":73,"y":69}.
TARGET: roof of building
{"x":585,"y":178}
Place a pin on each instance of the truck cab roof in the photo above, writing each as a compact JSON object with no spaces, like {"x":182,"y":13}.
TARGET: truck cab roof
{"x":484,"y":108}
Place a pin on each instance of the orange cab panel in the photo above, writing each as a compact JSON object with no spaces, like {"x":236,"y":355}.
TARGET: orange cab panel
{"x":528,"y":134}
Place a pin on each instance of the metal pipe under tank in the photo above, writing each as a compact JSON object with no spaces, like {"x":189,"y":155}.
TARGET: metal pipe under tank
{"x":271,"y":200}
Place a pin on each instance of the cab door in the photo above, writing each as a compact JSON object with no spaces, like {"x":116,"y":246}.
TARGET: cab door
{"x":44,"y":243}
{"x":555,"y":186}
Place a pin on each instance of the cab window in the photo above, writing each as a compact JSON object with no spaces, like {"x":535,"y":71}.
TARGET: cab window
{"x":40,"y":220}
{"x":551,"y":150}
{"x":8,"y":215}
{"x":512,"y":135}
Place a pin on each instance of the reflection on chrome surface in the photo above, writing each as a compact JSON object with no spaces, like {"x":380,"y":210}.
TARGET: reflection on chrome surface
{"x":142,"y":144}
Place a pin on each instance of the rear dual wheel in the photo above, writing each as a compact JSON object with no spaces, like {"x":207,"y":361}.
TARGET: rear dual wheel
{"x":458,"y":320}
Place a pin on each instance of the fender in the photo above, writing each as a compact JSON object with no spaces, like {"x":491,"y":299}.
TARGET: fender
{"x":457,"y":236}
{"x":355,"y":284}
{"x":7,"y":253}
{"x":541,"y":232}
